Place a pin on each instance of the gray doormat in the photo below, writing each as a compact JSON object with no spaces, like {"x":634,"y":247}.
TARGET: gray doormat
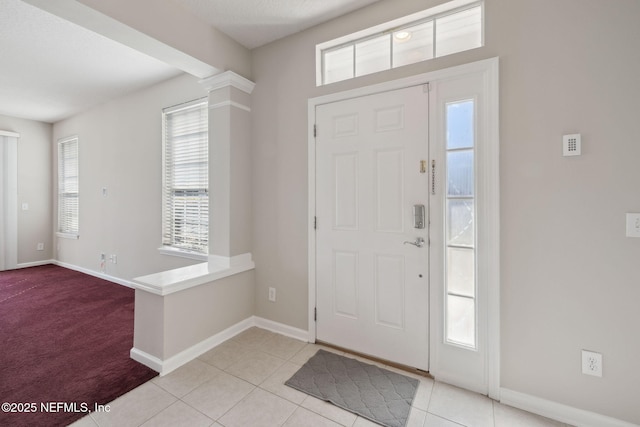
{"x":377,"y":394}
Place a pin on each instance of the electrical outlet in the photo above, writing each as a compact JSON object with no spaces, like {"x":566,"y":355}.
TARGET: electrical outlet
{"x":113,"y":258}
{"x":40,"y":247}
{"x":272,"y":294}
{"x":591,"y":363}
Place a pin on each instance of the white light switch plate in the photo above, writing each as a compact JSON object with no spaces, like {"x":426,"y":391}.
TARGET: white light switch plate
{"x":633,"y":225}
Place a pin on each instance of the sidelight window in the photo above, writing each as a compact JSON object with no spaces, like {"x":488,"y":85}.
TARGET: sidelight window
{"x":460,"y":264}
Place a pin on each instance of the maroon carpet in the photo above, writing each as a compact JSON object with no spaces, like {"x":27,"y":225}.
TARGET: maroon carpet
{"x":64,"y":337}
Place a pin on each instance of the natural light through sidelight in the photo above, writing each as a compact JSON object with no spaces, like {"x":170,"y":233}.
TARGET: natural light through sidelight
{"x":460,"y":304}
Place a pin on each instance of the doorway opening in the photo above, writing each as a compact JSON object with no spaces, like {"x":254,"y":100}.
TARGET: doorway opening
{"x":386,"y":279}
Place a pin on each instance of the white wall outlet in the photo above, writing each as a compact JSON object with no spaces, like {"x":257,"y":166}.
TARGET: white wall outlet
{"x":40,"y":247}
{"x":113,"y":258}
{"x":571,"y":145}
{"x":272,"y":294}
{"x":633,"y":225}
{"x":591,"y":363}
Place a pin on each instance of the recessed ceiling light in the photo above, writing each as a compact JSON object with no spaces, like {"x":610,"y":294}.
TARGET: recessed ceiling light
{"x":402,"y":36}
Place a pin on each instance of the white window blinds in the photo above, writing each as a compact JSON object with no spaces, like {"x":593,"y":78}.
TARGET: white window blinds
{"x":185,"y":221}
{"x":68,"y":186}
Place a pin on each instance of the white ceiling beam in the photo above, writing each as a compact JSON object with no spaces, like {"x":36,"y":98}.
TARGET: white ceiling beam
{"x":159,"y":29}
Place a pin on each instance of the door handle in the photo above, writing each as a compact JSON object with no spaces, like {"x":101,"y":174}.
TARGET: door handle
{"x":418,"y":243}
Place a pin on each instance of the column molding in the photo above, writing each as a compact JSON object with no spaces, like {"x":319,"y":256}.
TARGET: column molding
{"x":229,"y":98}
{"x":227,"y":79}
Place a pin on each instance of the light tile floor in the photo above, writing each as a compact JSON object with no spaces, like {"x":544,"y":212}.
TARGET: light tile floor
{"x":240,"y":383}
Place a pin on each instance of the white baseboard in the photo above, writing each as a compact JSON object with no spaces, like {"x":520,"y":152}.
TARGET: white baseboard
{"x":174,"y":362}
{"x":557,"y":411}
{"x":281,"y":328}
{"x":35,"y":263}
{"x":93,"y":273}
{"x":146,"y":359}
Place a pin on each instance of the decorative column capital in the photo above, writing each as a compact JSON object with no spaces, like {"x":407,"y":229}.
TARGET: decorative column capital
{"x":226,"y":79}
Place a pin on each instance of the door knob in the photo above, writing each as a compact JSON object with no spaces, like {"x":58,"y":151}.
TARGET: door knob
{"x":418,"y":243}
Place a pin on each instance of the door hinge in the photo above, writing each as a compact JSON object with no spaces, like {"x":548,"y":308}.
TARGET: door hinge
{"x":315,"y":314}
{"x":426,"y":88}
{"x":315,"y":131}
{"x":315,"y":222}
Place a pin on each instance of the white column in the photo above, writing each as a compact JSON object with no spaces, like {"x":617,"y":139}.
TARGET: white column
{"x":229,"y":164}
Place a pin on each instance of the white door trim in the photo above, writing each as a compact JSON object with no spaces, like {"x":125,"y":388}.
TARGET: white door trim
{"x":490,"y":66}
{"x":9,"y":202}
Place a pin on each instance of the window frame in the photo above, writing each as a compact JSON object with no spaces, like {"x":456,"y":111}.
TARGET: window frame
{"x":473,"y":246}
{"x":391,"y":27}
{"x":65,"y":230}
{"x":169,"y":244}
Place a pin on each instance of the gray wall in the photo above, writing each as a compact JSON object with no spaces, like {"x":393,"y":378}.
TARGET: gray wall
{"x":168,"y":325}
{"x":34,"y":187}
{"x":120,"y":148}
{"x":570,"y":278}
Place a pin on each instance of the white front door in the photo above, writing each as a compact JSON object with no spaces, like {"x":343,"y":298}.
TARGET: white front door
{"x":364,"y":178}
{"x":371,"y":170}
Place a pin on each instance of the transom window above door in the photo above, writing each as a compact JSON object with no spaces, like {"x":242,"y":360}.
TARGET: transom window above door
{"x":452,"y":27}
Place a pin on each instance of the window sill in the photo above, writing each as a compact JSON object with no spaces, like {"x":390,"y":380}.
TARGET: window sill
{"x":68,"y":235}
{"x":179,"y":279}
{"x":171,"y":251}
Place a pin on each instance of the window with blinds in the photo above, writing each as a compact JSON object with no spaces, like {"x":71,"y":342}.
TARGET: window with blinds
{"x":68,"y":186}
{"x":185,"y":192}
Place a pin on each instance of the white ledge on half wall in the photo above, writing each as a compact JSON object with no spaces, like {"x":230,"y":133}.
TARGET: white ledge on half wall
{"x":179,"y":279}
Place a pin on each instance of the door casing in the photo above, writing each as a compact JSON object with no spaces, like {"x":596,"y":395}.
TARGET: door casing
{"x":490,"y":261}
{"x":8,"y":200}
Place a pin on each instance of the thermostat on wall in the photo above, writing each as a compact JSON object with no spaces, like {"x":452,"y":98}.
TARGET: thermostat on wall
{"x":571,"y":145}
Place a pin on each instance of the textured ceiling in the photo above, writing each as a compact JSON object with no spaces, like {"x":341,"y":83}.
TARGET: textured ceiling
{"x":254,"y":23}
{"x":52,"y":69}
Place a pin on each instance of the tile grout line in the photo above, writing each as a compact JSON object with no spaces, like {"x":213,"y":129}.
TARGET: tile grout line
{"x":493,"y":411}
{"x":242,"y":379}
{"x":197,"y":410}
